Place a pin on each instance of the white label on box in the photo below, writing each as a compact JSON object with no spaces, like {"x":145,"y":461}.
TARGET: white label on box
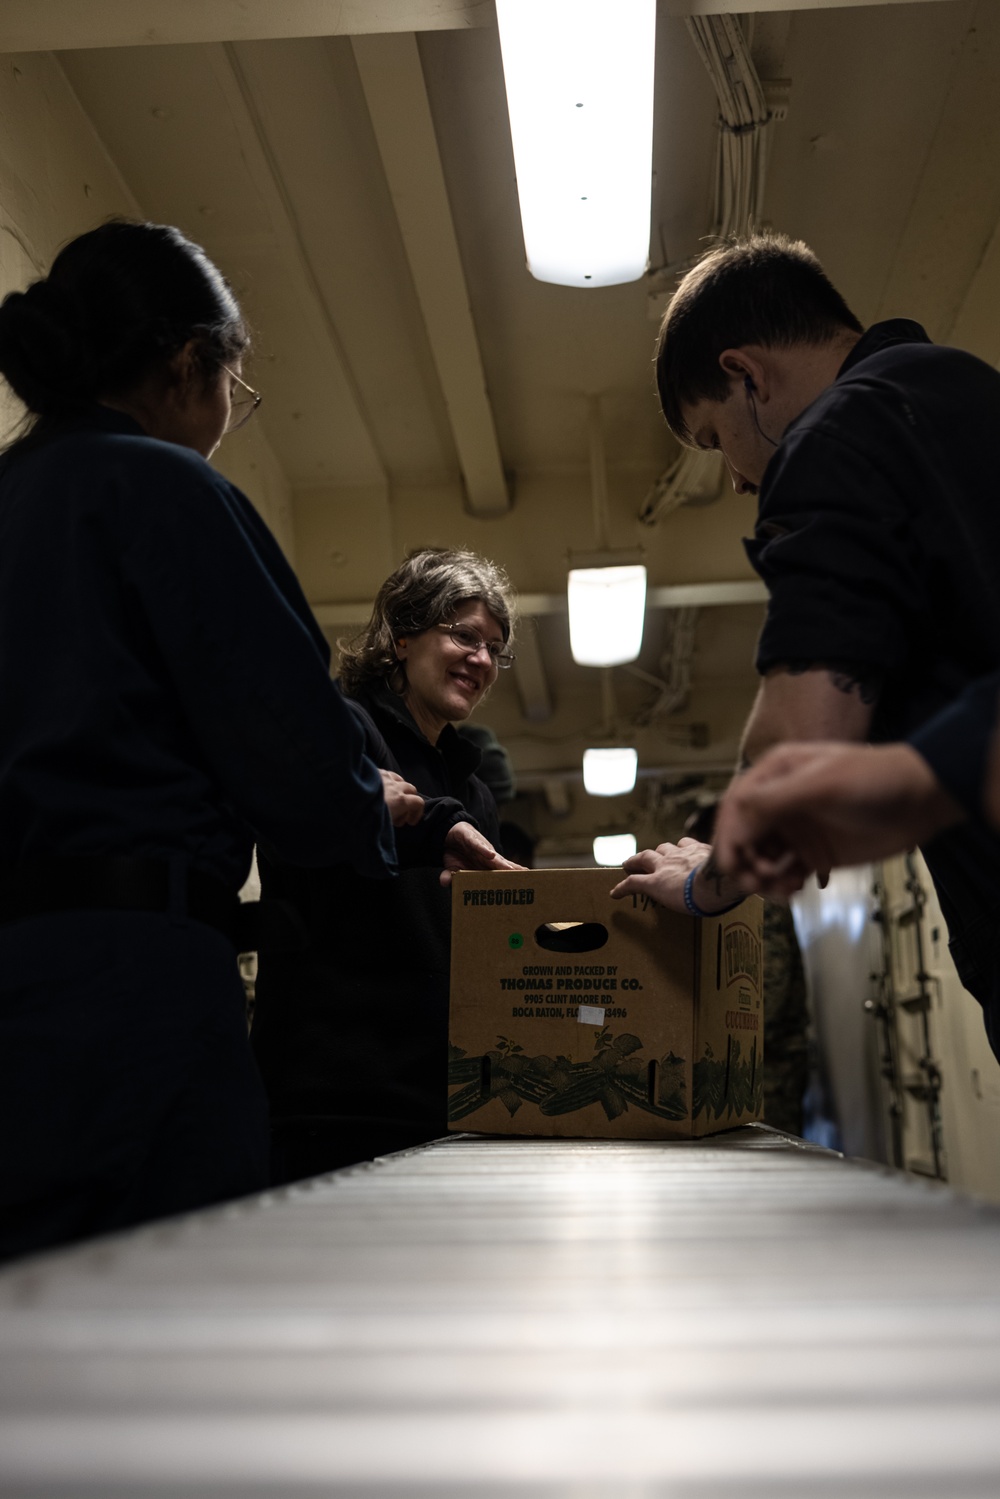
{"x":590,"y":1015}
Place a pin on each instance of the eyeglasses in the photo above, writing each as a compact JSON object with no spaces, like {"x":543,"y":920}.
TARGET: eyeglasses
{"x":243,"y":402}
{"x":469,"y":642}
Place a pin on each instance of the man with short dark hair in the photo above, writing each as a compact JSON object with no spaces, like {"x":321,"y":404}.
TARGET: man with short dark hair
{"x":878,"y":535}
{"x":765,"y":291}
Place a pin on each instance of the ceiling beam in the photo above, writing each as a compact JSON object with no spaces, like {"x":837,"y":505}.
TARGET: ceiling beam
{"x":572,"y":776}
{"x":945,"y":242}
{"x":393,"y":82}
{"x":741,"y":7}
{"x":67,"y":25}
{"x":977,"y":324}
{"x":269,"y":181}
{"x":529,"y":675}
{"x":557,"y":794}
{"x":672,"y":596}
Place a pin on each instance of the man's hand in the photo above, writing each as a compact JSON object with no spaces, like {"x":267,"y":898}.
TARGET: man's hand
{"x":466,"y":848}
{"x":405,"y":804}
{"x":661,"y":872}
{"x":810,"y":808}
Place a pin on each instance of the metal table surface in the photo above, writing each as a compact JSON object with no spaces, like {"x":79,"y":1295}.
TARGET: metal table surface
{"x":744,"y":1315}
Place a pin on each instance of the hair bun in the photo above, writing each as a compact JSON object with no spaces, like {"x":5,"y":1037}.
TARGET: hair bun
{"x":117,"y":304}
{"x":41,"y":355}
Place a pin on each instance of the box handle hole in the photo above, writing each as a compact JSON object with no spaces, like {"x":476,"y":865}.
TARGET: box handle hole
{"x":571,"y":936}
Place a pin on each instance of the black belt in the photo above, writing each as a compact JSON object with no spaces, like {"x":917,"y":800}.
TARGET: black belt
{"x":123,"y":883}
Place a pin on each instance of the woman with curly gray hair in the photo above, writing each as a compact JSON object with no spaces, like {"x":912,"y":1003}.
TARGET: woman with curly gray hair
{"x":351,"y":1033}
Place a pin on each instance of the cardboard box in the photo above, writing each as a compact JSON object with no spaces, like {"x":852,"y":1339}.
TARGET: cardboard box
{"x":575,"y":1014}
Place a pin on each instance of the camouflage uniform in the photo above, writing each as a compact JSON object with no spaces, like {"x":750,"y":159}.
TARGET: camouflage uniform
{"x":786,"y":1020}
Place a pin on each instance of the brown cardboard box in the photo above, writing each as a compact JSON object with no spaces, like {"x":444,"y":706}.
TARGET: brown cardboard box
{"x":654,"y":1030}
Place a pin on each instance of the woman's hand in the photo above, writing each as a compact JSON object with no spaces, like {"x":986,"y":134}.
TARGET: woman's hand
{"x":405,"y":804}
{"x":466,"y":848}
{"x":660,"y":873}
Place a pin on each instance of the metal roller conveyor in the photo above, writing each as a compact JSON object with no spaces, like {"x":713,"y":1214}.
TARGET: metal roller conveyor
{"x":744,"y":1315}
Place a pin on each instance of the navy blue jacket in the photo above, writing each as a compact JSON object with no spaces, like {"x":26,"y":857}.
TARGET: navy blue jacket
{"x":164,"y":688}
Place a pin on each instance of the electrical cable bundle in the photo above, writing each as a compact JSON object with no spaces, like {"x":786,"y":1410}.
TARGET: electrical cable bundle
{"x":744,"y":120}
{"x":693,"y":478}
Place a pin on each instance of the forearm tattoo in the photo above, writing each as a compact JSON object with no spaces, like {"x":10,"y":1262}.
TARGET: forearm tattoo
{"x":847,"y":676}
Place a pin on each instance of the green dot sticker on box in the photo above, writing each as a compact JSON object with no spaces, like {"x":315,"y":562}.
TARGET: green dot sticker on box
{"x":515,"y":940}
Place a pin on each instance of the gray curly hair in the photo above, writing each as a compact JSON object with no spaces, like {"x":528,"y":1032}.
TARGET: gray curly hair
{"x":424,"y":591}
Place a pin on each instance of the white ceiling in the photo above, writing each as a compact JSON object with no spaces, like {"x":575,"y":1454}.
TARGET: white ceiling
{"x":349,"y":166}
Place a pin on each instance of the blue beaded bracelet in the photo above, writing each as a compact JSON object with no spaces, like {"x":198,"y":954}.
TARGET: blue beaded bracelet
{"x":691,"y":904}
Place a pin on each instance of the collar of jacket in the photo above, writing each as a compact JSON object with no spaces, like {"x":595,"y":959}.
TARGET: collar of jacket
{"x":91,"y":417}
{"x":897,"y":330}
{"x":462,"y":758}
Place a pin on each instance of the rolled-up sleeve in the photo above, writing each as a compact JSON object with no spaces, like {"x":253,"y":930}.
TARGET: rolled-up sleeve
{"x":251,"y":669}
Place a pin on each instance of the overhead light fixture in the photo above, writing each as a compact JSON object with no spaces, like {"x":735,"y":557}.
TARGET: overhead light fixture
{"x":607,"y":607}
{"x":609,"y":772}
{"x":579,"y":77}
{"x":614,"y":848}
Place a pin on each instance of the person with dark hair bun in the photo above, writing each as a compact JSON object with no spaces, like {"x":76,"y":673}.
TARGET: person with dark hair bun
{"x":120,"y":304}
{"x":166,"y":700}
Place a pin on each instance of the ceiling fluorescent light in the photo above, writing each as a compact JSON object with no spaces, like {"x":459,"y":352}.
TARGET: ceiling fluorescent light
{"x":609,"y":772}
{"x":614,"y":848}
{"x":579,"y":77}
{"x":607,"y":606}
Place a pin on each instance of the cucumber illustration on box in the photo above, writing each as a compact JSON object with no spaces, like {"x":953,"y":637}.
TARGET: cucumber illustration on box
{"x":616,"y":1078}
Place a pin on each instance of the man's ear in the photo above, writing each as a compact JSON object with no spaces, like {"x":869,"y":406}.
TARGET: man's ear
{"x":742,"y":365}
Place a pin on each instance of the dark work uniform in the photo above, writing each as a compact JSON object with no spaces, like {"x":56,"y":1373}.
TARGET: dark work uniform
{"x":878,"y":536}
{"x":164,"y":696}
{"x":351,"y":1035}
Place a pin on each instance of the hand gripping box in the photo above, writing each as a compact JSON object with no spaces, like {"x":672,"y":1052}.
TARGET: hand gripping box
{"x":575,"y":1014}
